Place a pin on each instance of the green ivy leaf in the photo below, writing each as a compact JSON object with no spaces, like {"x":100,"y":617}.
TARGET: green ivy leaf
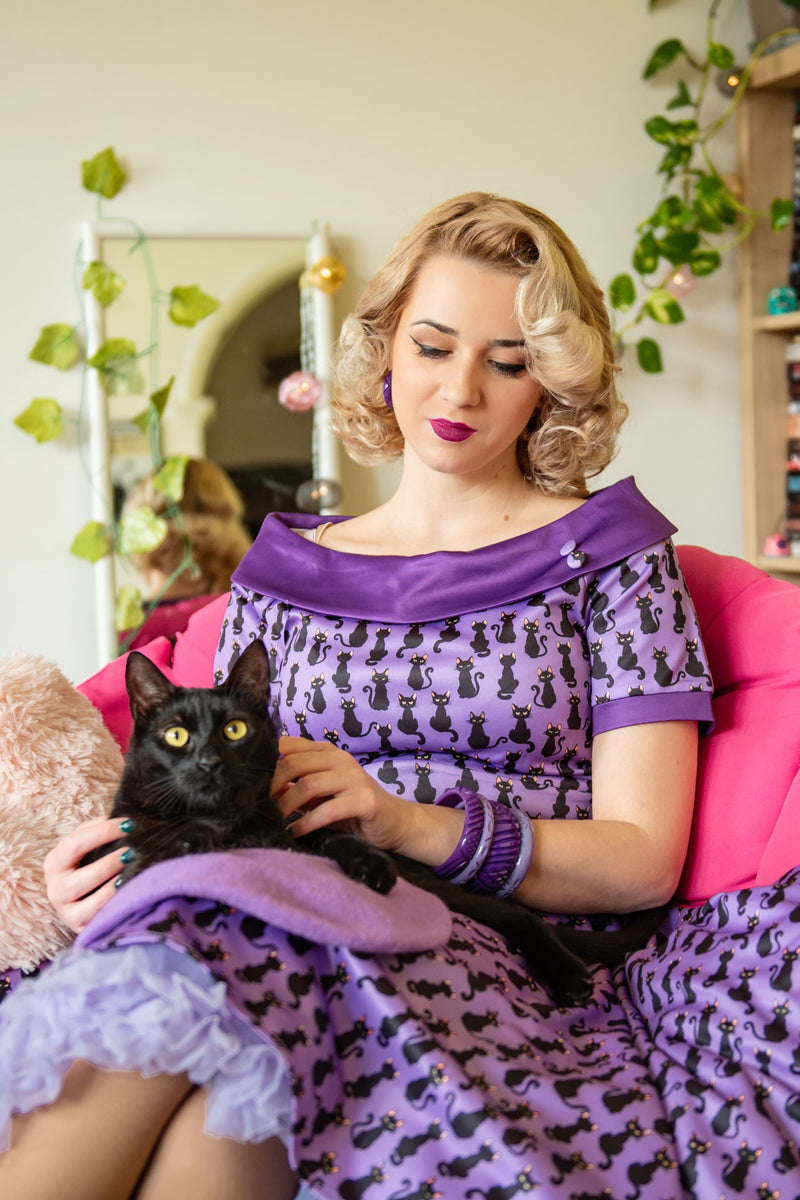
{"x":141,"y":531}
{"x":103,"y":282}
{"x":155,"y":409}
{"x":672,"y":212}
{"x":128,"y":611}
{"x":714,"y":205}
{"x":170,"y":479}
{"x":682,"y":99}
{"x":672,"y":133}
{"x":676,"y":247}
{"x":782,"y":211}
{"x":188,"y":305}
{"x":57,"y":346}
{"x":662,"y":56}
{"x":103,"y":174}
{"x":704,"y":262}
{"x":674,"y":159}
{"x":721,"y":56}
{"x":645,"y":256}
{"x":118,"y":364}
{"x":649,"y":356}
{"x":621,"y":292}
{"x":662,"y":306}
{"x":42,"y":420}
{"x":92,"y":543}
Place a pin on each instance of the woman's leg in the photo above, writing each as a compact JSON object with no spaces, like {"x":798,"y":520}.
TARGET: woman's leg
{"x":187,"y":1162}
{"x":95,"y":1140}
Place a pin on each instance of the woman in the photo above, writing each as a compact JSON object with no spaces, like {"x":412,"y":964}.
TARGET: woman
{"x":493,"y":629}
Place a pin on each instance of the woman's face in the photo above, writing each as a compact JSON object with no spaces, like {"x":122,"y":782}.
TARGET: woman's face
{"x":461,"y":392}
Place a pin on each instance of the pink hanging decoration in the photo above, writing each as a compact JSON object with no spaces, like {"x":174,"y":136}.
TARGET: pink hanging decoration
{"x":299,"y":391}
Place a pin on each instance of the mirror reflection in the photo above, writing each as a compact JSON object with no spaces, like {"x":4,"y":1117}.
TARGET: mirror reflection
{"x":224,"y":402}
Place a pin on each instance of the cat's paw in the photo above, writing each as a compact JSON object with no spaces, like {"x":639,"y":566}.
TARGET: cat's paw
{"x":364,"y":864}
{"x":573,"y":986}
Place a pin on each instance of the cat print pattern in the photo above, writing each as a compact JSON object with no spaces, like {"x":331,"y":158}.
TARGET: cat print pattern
{"x":504,"y":702}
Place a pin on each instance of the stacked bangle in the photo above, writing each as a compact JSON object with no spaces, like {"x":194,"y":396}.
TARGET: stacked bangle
{"x":495,"y":848}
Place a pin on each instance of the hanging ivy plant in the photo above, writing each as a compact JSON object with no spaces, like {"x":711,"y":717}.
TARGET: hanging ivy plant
{"x":118,"y":364}
{"x":698,"y":217}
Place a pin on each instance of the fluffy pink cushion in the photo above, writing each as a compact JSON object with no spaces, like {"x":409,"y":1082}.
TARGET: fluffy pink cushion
{"x":746,"y":827}
{"x":58,"y":766}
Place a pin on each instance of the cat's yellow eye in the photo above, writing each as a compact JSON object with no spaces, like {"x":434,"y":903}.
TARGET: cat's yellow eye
{"x":235,"y":730}
{"x":176,"y":735}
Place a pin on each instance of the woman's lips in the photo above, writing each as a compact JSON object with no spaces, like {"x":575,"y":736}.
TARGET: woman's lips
{"x":452,"y":431}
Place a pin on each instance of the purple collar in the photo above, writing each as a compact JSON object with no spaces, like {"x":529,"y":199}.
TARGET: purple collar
{"x":614,"y":522}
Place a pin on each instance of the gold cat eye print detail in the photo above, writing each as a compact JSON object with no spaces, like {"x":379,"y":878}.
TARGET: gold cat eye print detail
{"x":176,"y":735}
{"x":235,"y":730}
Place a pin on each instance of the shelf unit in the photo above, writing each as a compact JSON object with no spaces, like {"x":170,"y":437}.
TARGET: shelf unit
{"x":765,"y":121}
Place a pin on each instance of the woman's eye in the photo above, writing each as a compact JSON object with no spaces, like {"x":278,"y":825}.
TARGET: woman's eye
{"x":176,"y":735}
{"x":428,"y":351}
{"x":506,"y":368}
{"x":235,"y":730}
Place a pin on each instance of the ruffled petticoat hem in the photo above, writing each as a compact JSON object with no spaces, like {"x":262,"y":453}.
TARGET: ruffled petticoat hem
{"x":148,"y":1008}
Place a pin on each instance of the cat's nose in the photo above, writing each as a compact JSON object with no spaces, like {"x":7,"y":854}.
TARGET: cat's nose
{"x":208,"y":762}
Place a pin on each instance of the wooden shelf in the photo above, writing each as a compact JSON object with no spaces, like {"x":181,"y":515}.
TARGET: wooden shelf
{"x":780,"y":70}
{"x":777,"y":323}
{"x":765,"y":124}
{"x":777,"y":565}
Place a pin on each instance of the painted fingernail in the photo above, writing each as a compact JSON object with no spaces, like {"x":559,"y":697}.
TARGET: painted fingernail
{"x":128,"y":855}
{"x":118,"y":881}
{"x":128,"y":825}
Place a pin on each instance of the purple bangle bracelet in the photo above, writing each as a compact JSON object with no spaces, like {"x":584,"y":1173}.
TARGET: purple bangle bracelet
{"x":502,"y":858}
{"x":524,"y":857}
{"x":474,"y":821}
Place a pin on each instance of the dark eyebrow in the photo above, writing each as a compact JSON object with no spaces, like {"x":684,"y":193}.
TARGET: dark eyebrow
{"x":501,"y":343}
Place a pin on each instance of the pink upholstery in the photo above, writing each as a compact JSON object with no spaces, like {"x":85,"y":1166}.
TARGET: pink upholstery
{"x":746,"y":828}
{"x":189,"y":663}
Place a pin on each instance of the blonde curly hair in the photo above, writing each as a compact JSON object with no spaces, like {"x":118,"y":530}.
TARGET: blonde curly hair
{"x":564,"y":321}
{"x":212,"y":510}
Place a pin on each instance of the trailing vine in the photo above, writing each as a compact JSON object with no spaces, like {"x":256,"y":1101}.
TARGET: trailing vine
{"x":118,"y":363}
{"x":699,"y":216}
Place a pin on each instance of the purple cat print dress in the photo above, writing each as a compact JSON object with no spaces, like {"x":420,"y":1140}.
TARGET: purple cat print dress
{"x":401,"y":1053}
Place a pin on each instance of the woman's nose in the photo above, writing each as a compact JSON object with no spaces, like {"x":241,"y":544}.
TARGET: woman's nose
{"x":462,"y":385}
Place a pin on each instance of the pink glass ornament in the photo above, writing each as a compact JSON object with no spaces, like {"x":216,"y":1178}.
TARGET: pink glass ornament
{"x":681,"y":282}
{"x":299,"y":391}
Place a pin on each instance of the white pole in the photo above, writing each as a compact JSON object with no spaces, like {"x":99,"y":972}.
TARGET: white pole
{"x":102,"y":498}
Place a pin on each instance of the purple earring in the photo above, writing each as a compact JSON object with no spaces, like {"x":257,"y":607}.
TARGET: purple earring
{"x":387,"y":389}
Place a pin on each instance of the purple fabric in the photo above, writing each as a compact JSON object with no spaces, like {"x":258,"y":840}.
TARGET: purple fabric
{"x":300,"y":893}
{"x":152,"y":1007}
{"x":613,"y":523}
{"x":448,"y":1071}
{"x":451,"y":1072}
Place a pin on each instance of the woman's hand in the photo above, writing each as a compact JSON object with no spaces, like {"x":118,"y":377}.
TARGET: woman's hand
{"x":69,"y":884}
{"x":329,"y":787}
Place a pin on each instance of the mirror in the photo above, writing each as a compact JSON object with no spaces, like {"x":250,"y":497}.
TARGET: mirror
{"x":224,"y":401}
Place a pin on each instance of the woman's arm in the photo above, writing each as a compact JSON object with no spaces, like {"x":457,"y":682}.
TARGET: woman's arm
{"x":628,"y":857}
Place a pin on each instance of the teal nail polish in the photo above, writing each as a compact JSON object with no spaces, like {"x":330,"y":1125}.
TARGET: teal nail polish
{"x":128,"y":825}
{"x":118,"y":881}
{"x":128,"y":855}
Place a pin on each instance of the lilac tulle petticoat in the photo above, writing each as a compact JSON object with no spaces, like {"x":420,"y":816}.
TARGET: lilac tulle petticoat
{"x":148,"y":1008}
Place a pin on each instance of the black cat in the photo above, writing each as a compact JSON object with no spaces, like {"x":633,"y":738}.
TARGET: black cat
{"x":197,"y":779}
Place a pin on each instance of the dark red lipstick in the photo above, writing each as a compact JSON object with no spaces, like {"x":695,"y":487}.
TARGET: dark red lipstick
{"x":451,"y":431}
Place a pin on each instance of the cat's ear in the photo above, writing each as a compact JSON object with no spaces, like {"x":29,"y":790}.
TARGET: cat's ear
{"x":250,"y":673}
{"x":147,"y":688}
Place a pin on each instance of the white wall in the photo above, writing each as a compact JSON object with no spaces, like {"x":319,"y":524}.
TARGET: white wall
{"x":259,"y":115}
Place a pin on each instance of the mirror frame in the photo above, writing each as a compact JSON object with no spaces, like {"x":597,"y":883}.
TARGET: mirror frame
{"x":324,"y":448}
